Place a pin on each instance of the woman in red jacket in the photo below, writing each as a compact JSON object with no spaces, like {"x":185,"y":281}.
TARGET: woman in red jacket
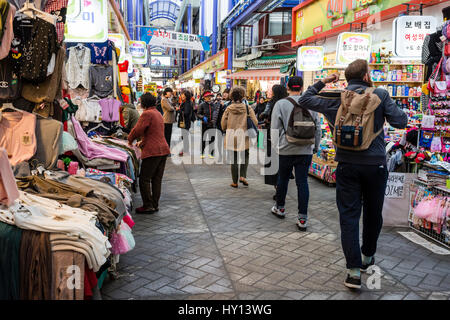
{"x":150,"y":129}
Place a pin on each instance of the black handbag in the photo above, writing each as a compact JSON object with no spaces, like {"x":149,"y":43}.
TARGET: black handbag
{"x":10,"y":84}
{"x":252,"y":129}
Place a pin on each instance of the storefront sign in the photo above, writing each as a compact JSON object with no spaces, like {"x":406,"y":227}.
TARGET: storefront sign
{"x":221,"y":77}
{"x":215,"y":63}
{"x":352,"y":46}
{"x":138,"y":50}
{"x":409,"y":33}
{"x":119,"y":43}
{"x":159,"y":61}
{"x":170,"y":39}
{"x":310,"y":58}
{"x":198,"y":74}
{"x":90,"y":24}
{"x":311,"y":16}
{"x":395,"y":186}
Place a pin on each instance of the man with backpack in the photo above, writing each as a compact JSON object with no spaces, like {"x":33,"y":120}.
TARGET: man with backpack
{"x":299,"y":135}
{"x":207,"y":112}
{"x":358,"y":116}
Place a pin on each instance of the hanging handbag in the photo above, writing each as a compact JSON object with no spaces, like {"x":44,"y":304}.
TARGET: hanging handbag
{"x":10,"y":84}
{"x":433,"y":77}
{"x":251,"y":127}
{"x":440,"y":87}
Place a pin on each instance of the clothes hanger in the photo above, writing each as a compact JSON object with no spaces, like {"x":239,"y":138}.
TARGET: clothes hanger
{"x":9,"y":107}
{"x":101,"y":125}
{"x":31,"y":11}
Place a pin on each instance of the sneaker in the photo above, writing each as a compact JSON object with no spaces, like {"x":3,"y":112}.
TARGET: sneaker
{"x":243,"y":181}
{"x":143,"y":210}
{"x":366,"y":266}
{"x":234,"y":185}
{"x":211,"y":156}
{"x":280,"y":213}
{"x":202,"y":156}
{"x":302,"y":224}
{"x":352,"y":283}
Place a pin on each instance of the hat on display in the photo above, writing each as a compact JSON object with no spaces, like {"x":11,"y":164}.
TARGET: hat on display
{"x":208,"y":94}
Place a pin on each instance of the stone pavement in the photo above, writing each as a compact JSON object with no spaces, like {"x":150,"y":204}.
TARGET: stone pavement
{"x":209,"y":241}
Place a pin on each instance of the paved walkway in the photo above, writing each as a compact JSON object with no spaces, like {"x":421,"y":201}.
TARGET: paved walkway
{"x":210,"y":241}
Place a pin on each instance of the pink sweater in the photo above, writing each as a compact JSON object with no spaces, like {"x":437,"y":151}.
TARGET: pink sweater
{"x":8,"y":187}
{"x":18,"y":135}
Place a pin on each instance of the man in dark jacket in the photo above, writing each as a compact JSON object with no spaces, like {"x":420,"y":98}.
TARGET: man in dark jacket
{"x":207,"y":113}
{"x":361,"y":176}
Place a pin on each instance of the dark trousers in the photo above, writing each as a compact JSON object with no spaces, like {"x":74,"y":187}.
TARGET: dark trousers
{"x":301,"y":164}
{"x":212,"y":139}
{"x":360,"y":187}
{"x":239,"y":167}
{"x":168,"y":132}
{"x":150,"y":180}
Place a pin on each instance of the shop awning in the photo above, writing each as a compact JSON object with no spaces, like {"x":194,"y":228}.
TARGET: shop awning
{"x":264,"y":74}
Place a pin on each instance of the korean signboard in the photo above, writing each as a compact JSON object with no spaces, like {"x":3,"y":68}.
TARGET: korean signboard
{"x":310,"y":58}
{"x":170,"y":39}
{"x":352,"y":46}
{"x":159,"y":61}
{"x":329,"y":17}
{"x":138,"y":50}
{"x":119,"y":42}
{"x":395,"y":188}
{"x":409,"y":33}
{"x":90,"y":24}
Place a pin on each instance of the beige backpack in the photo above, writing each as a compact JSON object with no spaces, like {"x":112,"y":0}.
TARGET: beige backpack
{"x":354,"y":127}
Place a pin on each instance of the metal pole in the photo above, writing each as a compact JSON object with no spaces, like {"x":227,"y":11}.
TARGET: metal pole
{"x":214,"y":34}
{"x":189,"y":27}
{"x":202,"y":27}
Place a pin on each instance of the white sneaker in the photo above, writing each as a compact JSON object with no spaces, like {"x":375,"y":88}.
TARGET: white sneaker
{"x":280,"y":213}
{"x":302,"y":224}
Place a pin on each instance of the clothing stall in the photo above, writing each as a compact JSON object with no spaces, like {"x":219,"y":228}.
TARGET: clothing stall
{"x":66,"y":171}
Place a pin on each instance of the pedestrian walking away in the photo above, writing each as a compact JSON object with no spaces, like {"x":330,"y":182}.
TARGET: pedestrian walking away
{"x":237,"y":142}
{"x":361,"y":175}
{"x":292,"y":155}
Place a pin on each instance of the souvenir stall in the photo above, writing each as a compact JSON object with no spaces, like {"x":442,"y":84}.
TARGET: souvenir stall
{"x":430,"y":196}
{"x":66,"y":174}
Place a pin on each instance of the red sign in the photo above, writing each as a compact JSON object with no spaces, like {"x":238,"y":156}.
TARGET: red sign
{"x":362,"y":13}
{"x":337,"y":22}
{"x":317,"y":30}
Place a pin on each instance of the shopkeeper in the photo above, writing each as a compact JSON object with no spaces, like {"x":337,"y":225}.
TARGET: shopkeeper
{"x":155,"y":149}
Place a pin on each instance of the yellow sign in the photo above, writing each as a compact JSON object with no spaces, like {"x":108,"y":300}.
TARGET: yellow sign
{"x":352,"y":46}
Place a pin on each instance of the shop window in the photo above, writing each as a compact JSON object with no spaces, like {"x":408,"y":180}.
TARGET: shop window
{"x":280,"y":23}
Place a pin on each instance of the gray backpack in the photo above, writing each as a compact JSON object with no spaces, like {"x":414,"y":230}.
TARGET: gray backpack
{"x":301,"y":128}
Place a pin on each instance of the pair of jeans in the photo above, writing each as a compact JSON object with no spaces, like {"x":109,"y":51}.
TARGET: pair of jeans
{"x":150,"y":180}
{"x":168,"y":132}
{"x":360,"y":187}
{"x":239,"y":167}
{"x":301,"y":164}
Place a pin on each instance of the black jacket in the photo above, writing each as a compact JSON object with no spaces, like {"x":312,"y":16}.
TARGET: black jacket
{"x":210,"y":111}
{"x":387,"y":111}
{"x":187,"y":110}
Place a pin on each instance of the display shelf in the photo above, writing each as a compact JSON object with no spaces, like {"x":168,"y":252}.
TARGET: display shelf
{"x":405,"y":97}
{"x":397,"y":81}
{"x":325,"y":172}
{"x":395,"y":64}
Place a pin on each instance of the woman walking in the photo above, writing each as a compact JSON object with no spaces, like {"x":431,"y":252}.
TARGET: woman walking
{"x":184,"y":121}
{"x":278,"y":92}
{"x":234,"y":123}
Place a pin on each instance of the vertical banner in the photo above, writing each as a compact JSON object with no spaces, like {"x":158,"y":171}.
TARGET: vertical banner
{"x":138,"y":50}
{"x":353,"y":46}
{"x":310,"y":58}
{"x":90,"y":24}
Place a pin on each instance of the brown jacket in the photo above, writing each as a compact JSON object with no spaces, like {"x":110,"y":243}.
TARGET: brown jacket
{"x":234,"y":122}
{"x":169,"y":111}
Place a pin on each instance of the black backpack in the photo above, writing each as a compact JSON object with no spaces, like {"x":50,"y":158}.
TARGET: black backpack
{"x":301,"y":128}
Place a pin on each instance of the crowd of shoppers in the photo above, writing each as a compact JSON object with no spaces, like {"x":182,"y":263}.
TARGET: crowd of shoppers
{"x":361,"y":176}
